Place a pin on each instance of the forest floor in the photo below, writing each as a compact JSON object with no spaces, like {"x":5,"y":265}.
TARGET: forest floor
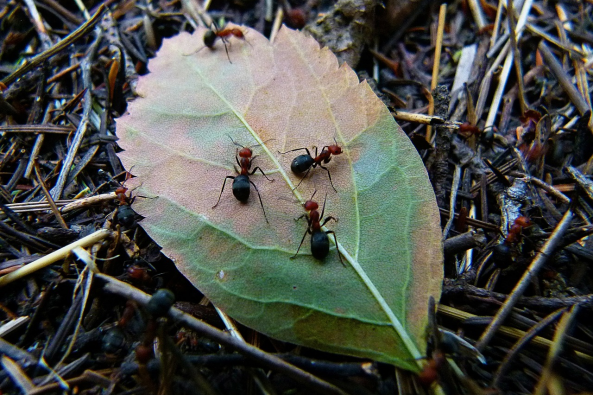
{"x":497,"y":103}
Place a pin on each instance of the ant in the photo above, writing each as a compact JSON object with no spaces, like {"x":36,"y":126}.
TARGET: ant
{"x":515,"y":229}
{"x":241,"y":187}
{"x":224,"y":34}
{"x":503,"y":252}
{"x":430,"y":373}
{"x":304,"y":163}
{"x":125,"y":215}
{"x":319,"y":238}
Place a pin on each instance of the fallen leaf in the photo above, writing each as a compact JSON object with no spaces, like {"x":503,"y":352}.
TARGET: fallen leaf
{"x":283,"y":96}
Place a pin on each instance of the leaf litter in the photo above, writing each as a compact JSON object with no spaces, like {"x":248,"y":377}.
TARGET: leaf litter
{"x":278,"y":97}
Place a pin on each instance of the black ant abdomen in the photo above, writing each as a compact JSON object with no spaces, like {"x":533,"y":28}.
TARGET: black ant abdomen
{"x":210,"y":38}
{"x":319,"y":244}
{"x":301,"y":164}
{"x":319,"y":238}
{"x":242,"y":183}
{"x":241,"y":188}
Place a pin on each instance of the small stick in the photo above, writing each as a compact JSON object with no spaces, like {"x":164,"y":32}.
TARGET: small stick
{"x":50,"y":201}
{"x":436,"y":64}
{"x":18,"y":375}
{"x":563,"y":79}
{"x":277,"y":23}
{"x":477,"y":13}
{"x":496,"y":28}
{"x":54,"y":256}
{"x":517,"y":347}
{"x":452,"y":200}
{"x":424,"y":119}
{"x":559,"y":336}
{"x":52,"y":129}
{"x":532,"y":270}
{"x":38,"y":23}
{"x":516,"y":55}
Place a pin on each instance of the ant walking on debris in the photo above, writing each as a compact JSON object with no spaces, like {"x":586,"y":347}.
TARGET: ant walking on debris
{"x":319,"y":238}
{"x":503,"y":251}
{"x":241,"y":187}
{"x":516,"y":229}
{"x":304,"y":163}
{"x":125,"y":215}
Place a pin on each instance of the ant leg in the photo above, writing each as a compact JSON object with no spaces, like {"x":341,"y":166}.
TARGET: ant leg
{"x":305,"y":176}
{"x":195,"y":52}
{"x":299,"y":218}
{"x":296,"y":149}
{"x":261,"y":171}
{"x":300,"y":245}
{"x":329,"y":175}
{"x":226,"y":49}
{"x":337,"y":250}
{"x":328,"y":219}
{"x":223,"y":184}
{"x":323,"y":208}
{"x":260,"y":202}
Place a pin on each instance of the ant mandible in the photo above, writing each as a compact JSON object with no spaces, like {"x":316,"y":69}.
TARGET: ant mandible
{"x":224,"y":34}
{"x":241,"y":187}
{"x":319,"y":238}
{"x":304,"y":163}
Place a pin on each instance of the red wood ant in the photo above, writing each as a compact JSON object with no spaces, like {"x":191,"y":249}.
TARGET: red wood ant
{"x":430,"y":373}
{"x":138,"y":273}
{"x":241,"y":187}
{"x":319,"y":238}
{"x":120,"y":192}
{"x":515,"y":229}
{"x":224,"y":34}
{"x":503,"y":252}
{"x":304,"y":163}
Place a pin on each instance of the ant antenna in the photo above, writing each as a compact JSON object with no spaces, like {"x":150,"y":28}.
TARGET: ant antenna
{"x":234,"y":142}
{"x":251,"y":146}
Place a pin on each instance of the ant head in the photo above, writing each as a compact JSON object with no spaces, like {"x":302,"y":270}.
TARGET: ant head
{"x":209,"y":38}
{"x":245,"y":152}
{"x":334,"y":149}
{"x":523,"y":221}
{"x":311,"y":205}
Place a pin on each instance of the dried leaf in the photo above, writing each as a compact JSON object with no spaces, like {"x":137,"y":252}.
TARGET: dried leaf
{"x":283,"y":96}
